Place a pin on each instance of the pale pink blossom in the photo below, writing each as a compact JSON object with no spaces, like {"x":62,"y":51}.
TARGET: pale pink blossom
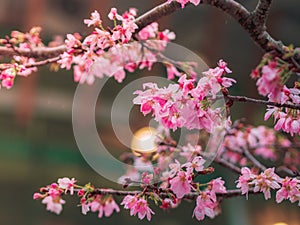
{"x":113,"y":14}
{"x":104,"y":206}
{"x":53,"y":204}
{"x":197,"y":164}
{"x":172,"y":71}
{"x":181,"y":184}
{"x":265,"y":181}
{"x":94,"y":19}
{"x":149,"y":31}
{"x":204,"y":207}
{"x":67,"y":184}
{"x":270,"y":81}
{"x":175,"y":168}
{"x":137,"y":205}
{"x":129,"y":201}
{"x":290,"y":190}
{"x":85,"y":208}
{"x":110,"y":206}
{"x":147,"y":178}
{"x":244,"y":180}
{"x":216,"y":186}
{"x":142,"y":209}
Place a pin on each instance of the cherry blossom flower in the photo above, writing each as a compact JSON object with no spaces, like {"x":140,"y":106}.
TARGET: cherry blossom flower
{"x":290,"y":190}
{"x":147,"y":178}
{"x":216,"y":186}
{"x":204,"y":207}
{"x":67,"y":184}
{"x":175,"y":168}
{"x":181,"y":184}
{"x":142,"y":209}
{"x":85,"y":208}
{"x":53,"y":204}
{"x":287,"y":121}
{"x":94,"y":20}
{"x":244,"y":180}
{"x":129,"y":201}
{"x":172,"y":71}
{"x":113,"y":14}
{"x":265,"y":181}
{"x":270,"y":81}
{"x":104,"y":206}
{"x":149,"y":31}
{"x":137,"y":205}
{"x":110,"y":206}
{"x":197,"y":164}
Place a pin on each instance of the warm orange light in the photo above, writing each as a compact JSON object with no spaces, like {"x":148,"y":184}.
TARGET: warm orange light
{"x":143,"y":141}
{"x":280,"y":223}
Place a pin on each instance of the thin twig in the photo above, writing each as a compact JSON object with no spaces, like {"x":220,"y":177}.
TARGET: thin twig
{"x":43,"y":62}
{"x":286,"y":170}
{"x":228,"y":165}
{"x":221,"y":162}
{"x":255,"y":162}
{"x":263,"y":102}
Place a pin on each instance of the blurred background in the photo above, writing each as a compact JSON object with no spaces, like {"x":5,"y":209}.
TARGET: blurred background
{"x":37,"y":145}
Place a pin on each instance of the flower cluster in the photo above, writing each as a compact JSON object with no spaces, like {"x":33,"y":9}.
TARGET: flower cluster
{"x":173,"y":184}
{"x":290,"y":189}
{"x":103,"y":205}
{"x":287,"y":188}
{"x":180,"y":179}
{"x":52,"y":197}
{"x":109,"y":52}
{"x":53,"y":194}
{"x":206,"y":203}
{"x":260,"y":140}
{"x":184,"y":2}
{"x":186,"y":104}
{"x":20,"y":65}
{"x":272,"y":75}
{"x":137,"y":206}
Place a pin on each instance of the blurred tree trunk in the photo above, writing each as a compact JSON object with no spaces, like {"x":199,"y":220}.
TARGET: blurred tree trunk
{"x":24,"y":106}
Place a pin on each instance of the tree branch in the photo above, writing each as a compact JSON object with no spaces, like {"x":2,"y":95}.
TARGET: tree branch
{"x":156,"y":13}
{"x":37,"y":53}
{"x":255,"y":162}
{"x":263,"y":102}
{"x":233,"y":8}
{"x":43,"y":62}
{"x":192,"y":195}
{"x":261,"y":12}
{"x":222,"y":162}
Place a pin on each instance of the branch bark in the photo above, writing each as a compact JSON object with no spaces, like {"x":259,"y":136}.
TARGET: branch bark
{"x":261,"y":12}
{"x":192,"y":195}
{"x":262,"y":102}
{"x":255,"y":162}
{"x":37,"y":53}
